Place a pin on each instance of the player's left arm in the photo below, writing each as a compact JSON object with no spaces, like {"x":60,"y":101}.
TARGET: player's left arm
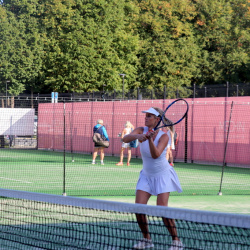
{"x":105,"y":133}
{"x":156,"y":151}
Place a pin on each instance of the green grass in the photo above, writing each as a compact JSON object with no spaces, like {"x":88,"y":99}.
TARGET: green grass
{"x":43,"y":171}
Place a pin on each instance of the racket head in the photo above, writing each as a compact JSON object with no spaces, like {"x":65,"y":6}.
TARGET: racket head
{"x":175,"y":112}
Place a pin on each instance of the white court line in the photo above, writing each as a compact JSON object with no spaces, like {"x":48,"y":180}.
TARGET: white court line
{"x":14,"y":180}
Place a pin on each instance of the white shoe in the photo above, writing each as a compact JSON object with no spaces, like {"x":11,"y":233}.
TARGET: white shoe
{"x":176,"y":245}
{"x":93,"y":162}
{"x":102,"y":163}
{"x":143,"y":244}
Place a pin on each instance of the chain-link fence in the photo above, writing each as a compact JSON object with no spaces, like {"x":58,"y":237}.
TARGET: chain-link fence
{"x":57,"y":155}
{"x":226,"y":90}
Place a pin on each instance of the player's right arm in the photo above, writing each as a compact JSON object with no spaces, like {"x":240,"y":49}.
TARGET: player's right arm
{"x":123,"y":133}
{"x":135,"y":134}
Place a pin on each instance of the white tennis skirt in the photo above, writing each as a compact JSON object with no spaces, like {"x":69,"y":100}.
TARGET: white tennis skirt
{"x":167,"y":182}
{"x":125,"y":145}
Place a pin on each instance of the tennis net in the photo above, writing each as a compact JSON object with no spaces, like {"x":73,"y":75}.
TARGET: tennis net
{"x":42,"y":221}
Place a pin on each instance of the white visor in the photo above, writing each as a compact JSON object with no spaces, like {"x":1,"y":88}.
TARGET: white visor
{"x":151,"y":111}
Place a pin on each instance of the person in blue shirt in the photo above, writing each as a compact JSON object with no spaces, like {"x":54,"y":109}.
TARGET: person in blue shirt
{"x":99,"y":128}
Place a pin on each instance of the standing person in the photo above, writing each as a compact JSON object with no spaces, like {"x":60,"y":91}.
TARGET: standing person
{"x":170,"y":146}
{"x":157,"y":176}
{"x":99,"y":128}
{"x":128,"y":129}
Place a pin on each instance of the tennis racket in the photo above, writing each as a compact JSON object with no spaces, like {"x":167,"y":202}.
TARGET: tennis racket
{"x":173,"y":114}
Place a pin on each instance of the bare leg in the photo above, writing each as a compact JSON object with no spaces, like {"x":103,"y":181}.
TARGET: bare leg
{"x":121,"y":155}
{"x":170,"y":224}
{"x":129,"y":155}
{"x":142,"y":197}
{"x":171,"y":159}
{"x":162,"y":200}
{"x":95,"y":154}
{"x":168,"y":153}
{"x":101,"y":154}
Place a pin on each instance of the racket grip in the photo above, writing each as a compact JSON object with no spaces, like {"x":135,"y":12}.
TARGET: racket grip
{"x":151,"y":130}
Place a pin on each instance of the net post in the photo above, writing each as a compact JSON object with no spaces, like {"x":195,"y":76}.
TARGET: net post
{"x":225,"y":151}
{"x":71,"y":124}
{"x":71,"y":135}
{"x":64,"y":149}
{"x":186,"y":132}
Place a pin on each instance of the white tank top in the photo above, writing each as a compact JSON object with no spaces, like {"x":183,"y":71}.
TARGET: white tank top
{"x":128,"y":131}
{"x":153,"y":167}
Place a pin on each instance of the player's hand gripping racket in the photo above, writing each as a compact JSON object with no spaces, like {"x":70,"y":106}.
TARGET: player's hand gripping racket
{"x":173,"y":114}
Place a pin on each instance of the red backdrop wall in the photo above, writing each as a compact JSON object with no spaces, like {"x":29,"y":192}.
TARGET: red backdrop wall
{"x":208,"y":122}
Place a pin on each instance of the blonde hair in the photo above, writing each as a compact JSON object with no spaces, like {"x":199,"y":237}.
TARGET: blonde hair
{"x":128,"y":124}
{"x":99,"y":121}
{"x":166,"y":120}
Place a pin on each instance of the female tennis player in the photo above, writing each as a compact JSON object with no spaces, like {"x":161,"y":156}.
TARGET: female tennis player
{"x":157,"y":176}
{"x":170,"y":146}
{"x":127,"y":129}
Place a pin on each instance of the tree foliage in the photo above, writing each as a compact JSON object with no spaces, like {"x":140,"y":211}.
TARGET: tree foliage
{"x":169,"y":52}
{"x":222,"y":30}
{"x":21,"y":48}
{"x":83,"y":45}
{"x":87,"y":45}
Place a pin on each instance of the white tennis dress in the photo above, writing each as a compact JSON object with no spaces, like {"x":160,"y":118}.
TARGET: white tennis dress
{"x":157,"y":176}
{"x":126,"y":145}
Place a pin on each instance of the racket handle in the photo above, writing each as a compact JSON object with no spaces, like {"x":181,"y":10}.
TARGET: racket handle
{"x":151,"y":130}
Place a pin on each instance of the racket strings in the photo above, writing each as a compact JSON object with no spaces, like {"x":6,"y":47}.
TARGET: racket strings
{"x":174,"y":113}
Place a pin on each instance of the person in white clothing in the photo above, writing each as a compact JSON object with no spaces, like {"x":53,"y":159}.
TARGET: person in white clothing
{"x":127,"y":130}
{"x":157,"y":176}
{"x":170,"y":146}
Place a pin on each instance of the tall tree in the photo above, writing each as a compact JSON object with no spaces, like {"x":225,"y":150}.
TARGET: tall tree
{"x":11,"y":46}
{"x":169,"y":53}
{"x":87,"y":45}
{"x":22,"y":48}
{"x":222,"y":29}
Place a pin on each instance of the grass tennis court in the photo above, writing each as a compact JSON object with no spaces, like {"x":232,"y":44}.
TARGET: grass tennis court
{"x":40,"y":225}
{"x":43,"y":172}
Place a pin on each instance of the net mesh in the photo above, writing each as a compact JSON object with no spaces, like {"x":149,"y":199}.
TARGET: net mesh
{"x":40,"y":221}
